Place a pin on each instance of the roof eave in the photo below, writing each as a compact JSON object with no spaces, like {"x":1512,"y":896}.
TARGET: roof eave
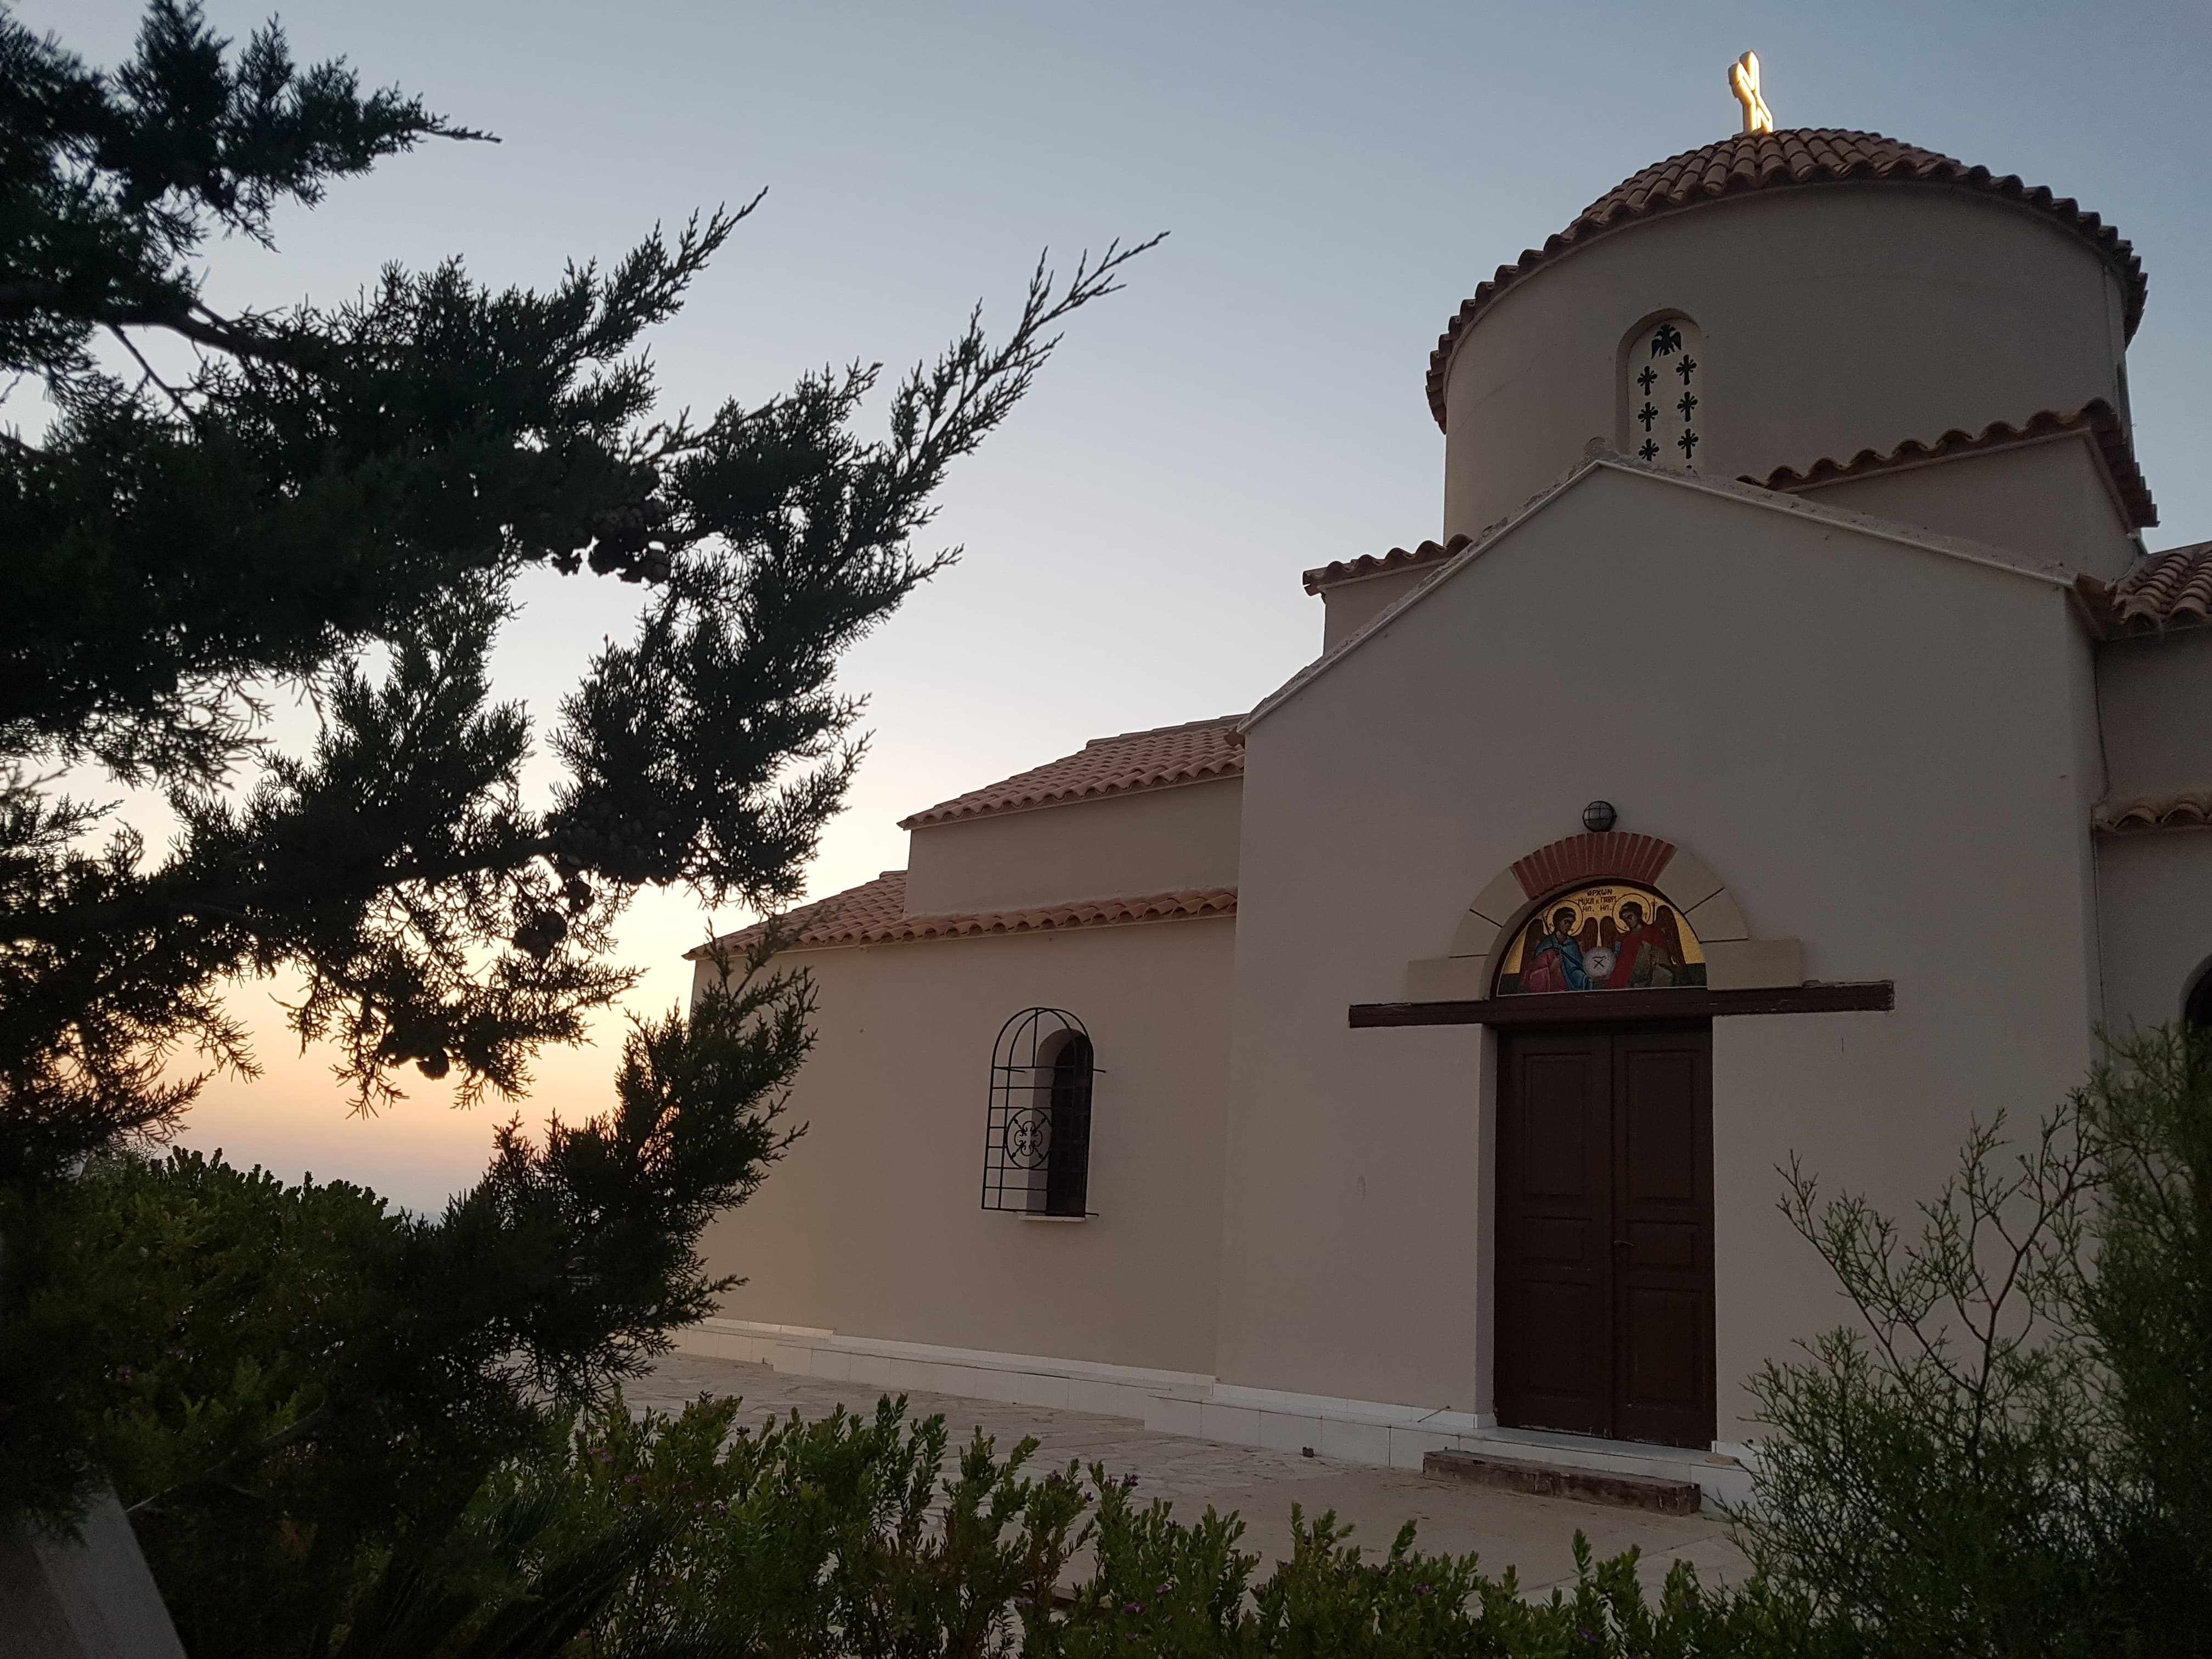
{"x":928,"y":820}
{"x":2096,"y":424}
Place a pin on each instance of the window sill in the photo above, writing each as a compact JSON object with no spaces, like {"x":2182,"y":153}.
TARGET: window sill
{"x":1034,"y":1215}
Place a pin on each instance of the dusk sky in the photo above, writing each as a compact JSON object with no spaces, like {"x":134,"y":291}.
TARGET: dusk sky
{"x":1335,"y":180}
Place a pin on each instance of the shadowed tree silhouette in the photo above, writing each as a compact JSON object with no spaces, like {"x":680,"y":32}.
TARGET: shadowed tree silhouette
{"x":336,"y":502}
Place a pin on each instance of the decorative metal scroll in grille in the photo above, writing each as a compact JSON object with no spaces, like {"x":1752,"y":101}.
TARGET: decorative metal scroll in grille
{"x":1037,"y":1148}
{"x":1666,"y":393}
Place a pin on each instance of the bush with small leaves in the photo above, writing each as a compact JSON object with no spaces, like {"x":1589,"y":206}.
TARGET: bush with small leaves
{"x":2010,"y":1451}
{"x":856,"y":1538}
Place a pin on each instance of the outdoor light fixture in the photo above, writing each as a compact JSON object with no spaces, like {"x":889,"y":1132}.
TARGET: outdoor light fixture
{"x":1599,"y":816}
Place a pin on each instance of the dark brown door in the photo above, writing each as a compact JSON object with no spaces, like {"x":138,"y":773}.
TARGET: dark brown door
{"x":1605,"y":1230}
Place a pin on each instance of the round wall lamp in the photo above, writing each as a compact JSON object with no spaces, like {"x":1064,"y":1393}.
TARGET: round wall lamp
{"x":1599,"y":816}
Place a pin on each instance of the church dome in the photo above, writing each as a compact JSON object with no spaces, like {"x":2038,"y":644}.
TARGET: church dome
{"x":1770,"y":162}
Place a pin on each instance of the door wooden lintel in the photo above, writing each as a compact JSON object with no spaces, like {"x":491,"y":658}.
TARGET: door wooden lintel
{"x":1612,"y":1007}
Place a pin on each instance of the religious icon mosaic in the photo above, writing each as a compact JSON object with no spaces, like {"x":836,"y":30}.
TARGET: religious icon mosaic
{"x":1666,"y":392}
{"x":1609,"y":937}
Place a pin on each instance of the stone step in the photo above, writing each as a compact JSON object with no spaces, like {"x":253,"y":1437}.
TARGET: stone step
{"x":1636,"y":1491}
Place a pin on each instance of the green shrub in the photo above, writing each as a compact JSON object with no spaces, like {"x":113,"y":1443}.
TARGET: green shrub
{"x":250,"y":1365}
{"x":2011,"y":1453}
{"x":839,"y":1538}
{"x":324,"y":1460}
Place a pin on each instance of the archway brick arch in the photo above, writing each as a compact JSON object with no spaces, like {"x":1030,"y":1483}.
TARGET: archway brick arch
{"x":1589,"y":858}
{"x":1734,"y":959}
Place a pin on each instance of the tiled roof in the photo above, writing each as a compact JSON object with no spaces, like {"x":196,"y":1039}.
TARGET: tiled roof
{"x":1369,"y":564}
{"x":1105,"y":766}
{"x":2179,"y":809}
{"x":2099,"y":418}
{"x":1781,"y":161}
{"x":874,"y":912}
{"x":2172,"y":589}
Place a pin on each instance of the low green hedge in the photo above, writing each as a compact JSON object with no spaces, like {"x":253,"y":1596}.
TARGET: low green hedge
{"x":851,"y":1537}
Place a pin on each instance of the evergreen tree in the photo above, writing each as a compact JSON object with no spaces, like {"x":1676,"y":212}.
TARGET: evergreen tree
{"x":336,"y":501}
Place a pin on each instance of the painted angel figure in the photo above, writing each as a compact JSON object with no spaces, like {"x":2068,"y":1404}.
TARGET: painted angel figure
{"x":1650,"y":952}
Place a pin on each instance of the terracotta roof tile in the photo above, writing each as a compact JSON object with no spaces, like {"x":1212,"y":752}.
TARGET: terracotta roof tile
{"x":1105,"y":766}
{"x":2099,"y":418}
{"x":1369,"y":564}
{"x":2179,"y":808}
{"x":2172,"y":589}
{"x":1780,"y":161}
{"x":874,"y":912}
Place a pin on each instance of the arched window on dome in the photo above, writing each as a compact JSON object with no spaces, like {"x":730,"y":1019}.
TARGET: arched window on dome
{"x":2197,"y":1004}
{"x":1662,"y":391}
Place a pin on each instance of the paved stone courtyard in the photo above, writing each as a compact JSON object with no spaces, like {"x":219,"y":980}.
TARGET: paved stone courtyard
{"x":1535,"y":1534}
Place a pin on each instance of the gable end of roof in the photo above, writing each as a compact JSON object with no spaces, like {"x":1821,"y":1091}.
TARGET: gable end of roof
{"x":1751,"y":495}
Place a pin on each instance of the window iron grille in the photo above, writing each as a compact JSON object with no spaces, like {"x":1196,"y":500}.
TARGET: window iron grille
{"x":1037,"y":1147}
{"x":1664,"y":365}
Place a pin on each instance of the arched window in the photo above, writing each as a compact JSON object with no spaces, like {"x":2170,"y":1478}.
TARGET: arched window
{"x":1068,"y":1165}
{"x":1662,"y":391}
{"x":1037,"y":1147}
{"x":2196,"y":1006}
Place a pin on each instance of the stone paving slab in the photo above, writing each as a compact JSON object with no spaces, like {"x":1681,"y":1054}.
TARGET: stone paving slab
{"x":1535,"y":1534}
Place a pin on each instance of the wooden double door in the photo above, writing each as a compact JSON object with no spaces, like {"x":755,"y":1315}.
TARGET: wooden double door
{"x":1604,"y":1232}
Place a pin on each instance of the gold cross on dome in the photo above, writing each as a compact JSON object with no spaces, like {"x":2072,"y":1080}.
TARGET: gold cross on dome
{"x":1743,"y":82}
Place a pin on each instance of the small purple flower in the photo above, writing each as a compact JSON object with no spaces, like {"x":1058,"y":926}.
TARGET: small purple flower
{"x":1420,"y":1590}
{"x":1128,"y":1483}
{"x":1133,"y":1606}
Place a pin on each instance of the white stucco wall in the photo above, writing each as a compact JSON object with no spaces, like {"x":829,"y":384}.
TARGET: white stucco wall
{"x":1153,"y":840}
{"x":1885,"y":751}
{"x":1835,"y":319}
{"x":2156,"y":696}
{"x":1350,"y":606}
{"x":2154,"y":889}
{"x":2048,"y":499}
{"x":871,"y":1226}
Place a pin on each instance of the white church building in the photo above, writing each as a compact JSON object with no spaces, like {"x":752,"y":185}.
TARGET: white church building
{"x":1789,"y":746}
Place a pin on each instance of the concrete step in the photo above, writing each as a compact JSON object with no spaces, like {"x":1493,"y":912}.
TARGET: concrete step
{"x":1584,"y":1451}
{"x":1636,"y":1491}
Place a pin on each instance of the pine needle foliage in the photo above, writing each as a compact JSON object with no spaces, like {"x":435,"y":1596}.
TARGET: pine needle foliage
{"x":336,"y":498}
{"x":227,"y":506}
